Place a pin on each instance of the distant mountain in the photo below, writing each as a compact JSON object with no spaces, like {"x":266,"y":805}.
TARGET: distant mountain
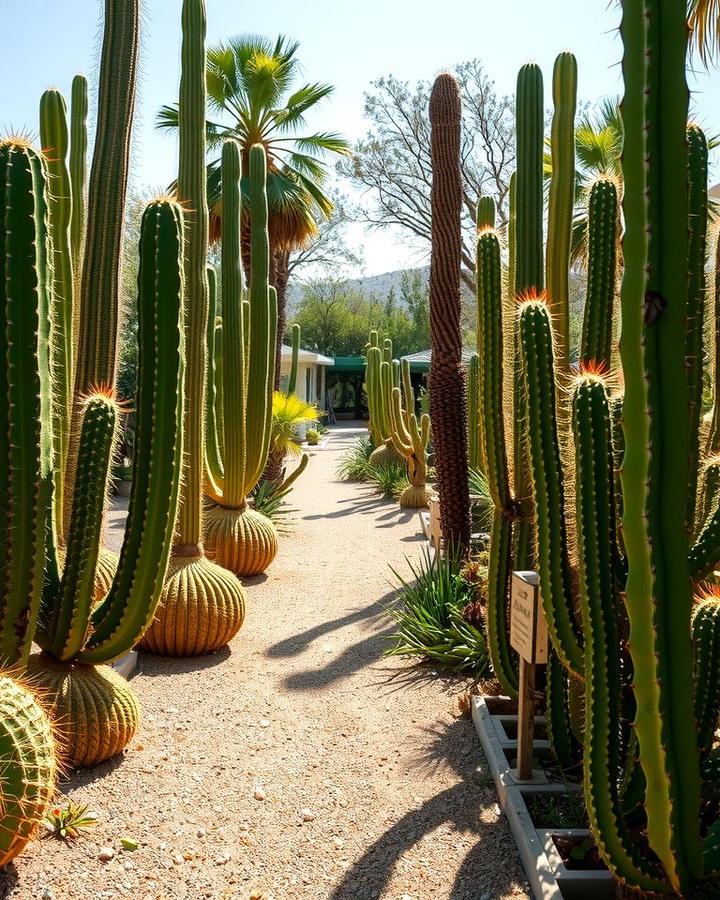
{"x":381,"y":285}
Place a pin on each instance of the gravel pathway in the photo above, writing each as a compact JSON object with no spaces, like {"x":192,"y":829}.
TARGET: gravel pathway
{"x":298,"y":763}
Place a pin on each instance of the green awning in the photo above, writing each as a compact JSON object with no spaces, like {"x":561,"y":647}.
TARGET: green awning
{"x":349,"y":364}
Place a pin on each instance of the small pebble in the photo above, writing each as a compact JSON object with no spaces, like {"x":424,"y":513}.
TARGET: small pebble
{"x":128,"y":864}
{"x":106,"y":854}
{"x":308,"y":815}
{"x":201,"y":832}
{"x":259,"y":793}
{"x":339,"y":843}
{"x":177,"y":859}
{"x":265,"y":723}
{"x":256,"y":895}
{"x":48,"y":894}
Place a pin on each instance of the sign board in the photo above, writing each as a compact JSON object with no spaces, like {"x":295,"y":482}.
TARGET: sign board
{"x":435,"y":526}
{"x":528,"y":629}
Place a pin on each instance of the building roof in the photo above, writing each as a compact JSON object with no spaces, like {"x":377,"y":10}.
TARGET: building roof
{"x":420,"y":362}
{"x":307,"y":356}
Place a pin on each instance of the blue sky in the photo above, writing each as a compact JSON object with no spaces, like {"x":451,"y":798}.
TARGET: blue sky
{"x":45,"y":42}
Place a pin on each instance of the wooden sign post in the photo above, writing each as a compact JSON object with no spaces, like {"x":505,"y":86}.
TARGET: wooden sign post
{"x":528,"y":635}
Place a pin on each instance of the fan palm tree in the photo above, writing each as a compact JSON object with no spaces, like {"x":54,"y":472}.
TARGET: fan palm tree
{"x":704,"y":22}
{"x":250,"y":99}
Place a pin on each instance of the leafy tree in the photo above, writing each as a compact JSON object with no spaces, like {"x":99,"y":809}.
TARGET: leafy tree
{"x":393,"y":160}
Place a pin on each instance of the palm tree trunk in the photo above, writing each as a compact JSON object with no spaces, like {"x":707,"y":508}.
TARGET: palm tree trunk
{"x":448,"y":402}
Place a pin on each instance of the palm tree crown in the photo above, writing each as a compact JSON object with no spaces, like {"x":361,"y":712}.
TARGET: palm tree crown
{"x":249,"y":83}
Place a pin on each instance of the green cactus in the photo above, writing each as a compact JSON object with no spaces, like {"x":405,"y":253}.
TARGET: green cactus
{"x":486,"y":213}
{"x":77,"y":162}
{"x":596,"y":344}
{"x":547,"y":477}
{"x":561,"y":204}
{"x":706,"y":643}
{"x":411,"y":436}
{"x":292,"y":380}
{"x":695,"y":314}
{"x":202,"y":605}
{"x":382,"y":374}
{"x":475,"y":454}
{"x":506,"y":510}
{"x":237,"y":536}
{"x":54,"y":139}
{"x":213,"y":446}
{"x":73,"y":630}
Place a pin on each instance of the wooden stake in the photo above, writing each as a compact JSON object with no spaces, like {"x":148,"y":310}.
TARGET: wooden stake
{"x":526,"y":720}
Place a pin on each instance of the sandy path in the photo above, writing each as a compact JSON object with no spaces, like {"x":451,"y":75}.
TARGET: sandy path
{"x":303,"y":709}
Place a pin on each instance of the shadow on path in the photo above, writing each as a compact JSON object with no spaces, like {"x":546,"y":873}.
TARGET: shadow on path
{"x":460,"y":808}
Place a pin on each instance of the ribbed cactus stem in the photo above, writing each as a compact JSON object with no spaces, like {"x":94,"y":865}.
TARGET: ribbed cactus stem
{"x":66,"y":628}
{"x":292,"y":380}
{"x":713,"y":442}
{"x":99,"y":296}
{"x":594,"y":485}
{"x":695,"y":316}
{"x":263,"y":327}
{"x":78,"y":183}
{"x":596,"y":345}
{"x":547,"y":476}
{"x":561,"y":204}
{"x":486,"y":213}
{"x":192,"y":194}
{"x":529,"y":272}
{"x":25,"y":413}
{"x":475,"y":455}
{"x":233,"y":330}
{"x":492,"y":422}
{"x":656,"y":424}
{"x":54,"y":139}
{"x":706,"y":643}
{"x":213,"y":453}
{"x":120,"y":620}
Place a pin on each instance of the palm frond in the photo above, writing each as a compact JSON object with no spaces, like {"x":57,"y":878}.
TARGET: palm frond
{"x":704,"y":22}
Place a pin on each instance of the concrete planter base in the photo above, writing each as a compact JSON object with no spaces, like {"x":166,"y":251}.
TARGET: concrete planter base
{"x":126,"y":665}
{"x":548,"y":877}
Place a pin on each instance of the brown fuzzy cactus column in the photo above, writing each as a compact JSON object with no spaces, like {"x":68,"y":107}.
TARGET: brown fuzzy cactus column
{"x":448,"y":407}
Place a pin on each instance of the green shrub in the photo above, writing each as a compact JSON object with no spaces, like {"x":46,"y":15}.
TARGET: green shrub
{"x":430,"y":614}
{"x":354,"y":464}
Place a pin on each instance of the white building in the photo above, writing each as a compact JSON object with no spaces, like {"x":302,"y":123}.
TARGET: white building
{"x":311,"y":374}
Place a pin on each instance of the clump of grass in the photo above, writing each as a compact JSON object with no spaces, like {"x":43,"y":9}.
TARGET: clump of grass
{"x":66,"y":822}
{"x":429,"y":612}
{"x":355,"y":463}
{"x":390,"y":479}
{"x":270,"y":499}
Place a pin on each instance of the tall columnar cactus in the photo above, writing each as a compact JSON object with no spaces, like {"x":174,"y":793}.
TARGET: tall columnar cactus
{"x":378,"y":387}
{"x":486,"y":213}
{"x":27,"y":745}
{"x":596,"y":345}
{"x":202,"y":605}
{"x":562,"y":203}
{"x":411,"y":436}
{"x":506,"y":510}
{"x":292,"y":380}
{"x":78,"y":180}
{"x":237,"y":536}
{"x":97,"y":710}
{"x":529,"y":276}
{"x":712,"y":446}
{"x":213,"y":381}
{"x":475,"y":454}
{"x":448,"y":403}
{"x":697,"y":260}
{"x":54,"y":140}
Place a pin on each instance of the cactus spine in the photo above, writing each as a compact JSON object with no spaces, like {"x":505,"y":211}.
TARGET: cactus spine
{"x":237,"y":536}
{"x":411,"y":436}
{"x":561,"y":203}
{"x":202,"y":603}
